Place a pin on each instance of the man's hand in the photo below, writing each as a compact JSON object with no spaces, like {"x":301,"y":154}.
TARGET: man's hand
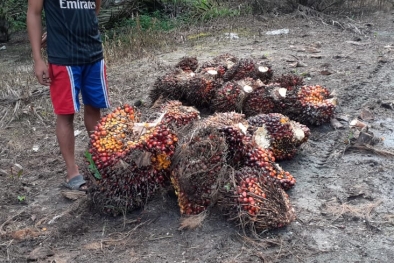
{"x":44,"y":40}
{"x":41,"y":72}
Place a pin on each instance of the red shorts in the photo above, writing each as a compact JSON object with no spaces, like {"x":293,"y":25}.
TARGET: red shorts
{"x":68,"y":81}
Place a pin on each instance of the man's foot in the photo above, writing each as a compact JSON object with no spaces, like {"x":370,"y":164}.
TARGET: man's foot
{"x":76,"y":183}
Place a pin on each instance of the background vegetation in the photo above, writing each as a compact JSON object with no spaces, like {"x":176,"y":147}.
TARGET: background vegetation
{"x":118,"y":16}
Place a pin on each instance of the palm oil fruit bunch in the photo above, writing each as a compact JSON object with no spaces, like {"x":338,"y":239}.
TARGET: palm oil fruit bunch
{"x":126,"y":186}
{"x":213,"y":68}
{"x":109,"y":139}
{"x":289,"y":81}
{"x":236,"y":138}
{"x":171,"y":85}
{"x":247,"y":68}
{"x":315,"y":106}
{"x":262,"y":159}
{"x":198,"y":168}
{"x":227,"y":98}
{"x":276,"y":132}
{"x":200,"y":89}
{"x":177,"y":115}
{"x":187,"y":64}
{"x":159,"y":141}
{"x":255,"y":202}
{"x":259,"y":101}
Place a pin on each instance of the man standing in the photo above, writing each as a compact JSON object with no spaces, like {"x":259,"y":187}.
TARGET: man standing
{"x":76,"y":64}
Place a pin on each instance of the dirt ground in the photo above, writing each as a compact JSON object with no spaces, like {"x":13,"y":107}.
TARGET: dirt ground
{"x":344,"y":200}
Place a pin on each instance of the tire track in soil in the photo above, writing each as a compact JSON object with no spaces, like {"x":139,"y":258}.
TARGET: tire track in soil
{"x":318,"y":165}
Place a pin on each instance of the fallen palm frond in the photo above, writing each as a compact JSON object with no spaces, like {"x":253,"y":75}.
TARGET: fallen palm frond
{"x":371,"y":149}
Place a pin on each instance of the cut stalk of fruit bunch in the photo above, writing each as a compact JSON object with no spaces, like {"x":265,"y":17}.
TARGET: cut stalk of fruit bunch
{"x":255,"y":202}
{"x":276,"y":132}
{"x":198,"y":166}
{"x":218,"y":65}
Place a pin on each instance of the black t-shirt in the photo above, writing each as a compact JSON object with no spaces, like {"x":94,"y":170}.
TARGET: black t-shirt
{"x":73,"y":37}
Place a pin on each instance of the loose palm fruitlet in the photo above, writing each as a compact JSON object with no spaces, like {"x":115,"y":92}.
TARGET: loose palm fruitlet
{"x":276,"y":132}
{"x":188,"y":64}
{"x":255,"y":202}
{"x":247,"y":68}
{"x":198,"y":168}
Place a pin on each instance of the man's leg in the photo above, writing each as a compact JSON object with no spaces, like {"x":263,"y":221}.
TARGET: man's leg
{"x":94,"y":93}
{"x":65,"y":137}
{"x":92,"y":116}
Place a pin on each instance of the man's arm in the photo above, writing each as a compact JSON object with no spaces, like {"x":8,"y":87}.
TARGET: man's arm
{"x":34,"y":28}
{"x":98,"y":5}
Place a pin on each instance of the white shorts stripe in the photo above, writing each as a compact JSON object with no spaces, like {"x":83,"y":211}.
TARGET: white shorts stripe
{"x":103,"y":83}
{"x":71,"y":76}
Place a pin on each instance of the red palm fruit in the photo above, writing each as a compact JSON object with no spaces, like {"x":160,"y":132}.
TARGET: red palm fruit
{"x":131,"y":177}
{"x":177,"y":115}
{"x":276,"y":132}
{"x":244,"y":151}
{"x":254,"y":201}
{"x":198,"y":166}
{"x":226,"y":59}
{"x":111,"y":134}
{"x":244,"y":68}
{"x":233,"y":127}
{"x":188,"y":64}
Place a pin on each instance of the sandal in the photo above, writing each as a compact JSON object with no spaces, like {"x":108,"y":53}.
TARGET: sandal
{"x":75,"y":183}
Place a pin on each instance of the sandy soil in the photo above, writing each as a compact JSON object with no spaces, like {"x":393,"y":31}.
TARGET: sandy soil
{"x":343,"y":199}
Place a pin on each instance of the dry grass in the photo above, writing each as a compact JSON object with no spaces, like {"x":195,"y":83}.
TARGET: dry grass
{"x":362,"y":211}
{"x":192,"y":222}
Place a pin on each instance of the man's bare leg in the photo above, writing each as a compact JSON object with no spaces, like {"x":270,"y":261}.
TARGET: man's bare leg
{"x":65,"y":137}
{"x":92,"y":116}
